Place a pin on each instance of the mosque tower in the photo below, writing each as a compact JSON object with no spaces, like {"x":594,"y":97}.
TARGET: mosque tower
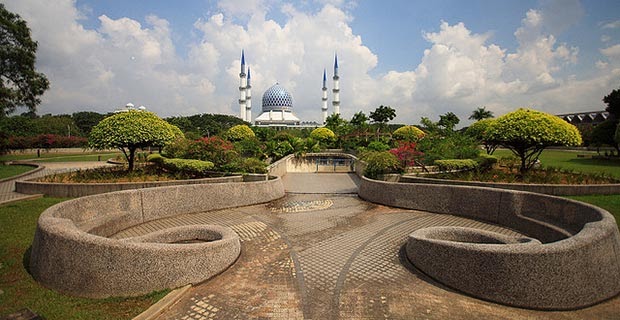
{"x":248,"y":98}
{"x":336,"y":90}
{"x":324,"y":107}
{"x":242,"y":89}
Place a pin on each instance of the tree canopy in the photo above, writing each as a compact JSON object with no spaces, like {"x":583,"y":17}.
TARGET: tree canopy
{"x":240,"y":132}
{"x":480,"y":131}
{"x":131,"y":130}
{"x":20,"y":84}
{"x":408,"y":133}
{"x":481,"y":113}
{"x":613,"y":103}
{"x":381,"y":116}
{"x":528,"y":132}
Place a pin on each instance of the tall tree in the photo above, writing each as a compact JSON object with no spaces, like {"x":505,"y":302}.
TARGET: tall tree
{"x":381,"y":116}
{"x":481,"y":113}
{"x":20,"y":84}
{"x":613,"y":103}
{"x":448,"y":121}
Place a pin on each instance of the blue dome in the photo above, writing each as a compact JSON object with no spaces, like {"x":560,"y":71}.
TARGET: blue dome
{"x":277,"y":98}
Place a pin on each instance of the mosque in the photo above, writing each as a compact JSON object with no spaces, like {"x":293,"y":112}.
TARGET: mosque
{"x":277,"y":102}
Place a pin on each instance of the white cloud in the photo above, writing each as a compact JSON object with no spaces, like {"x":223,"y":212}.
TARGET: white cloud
{"x":611,"y":25}
{"x":124,"y":60}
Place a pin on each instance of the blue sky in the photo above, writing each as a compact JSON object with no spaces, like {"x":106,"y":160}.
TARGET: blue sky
{"x":424,"y":58}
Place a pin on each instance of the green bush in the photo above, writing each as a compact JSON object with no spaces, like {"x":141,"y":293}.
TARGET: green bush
{"x":456,"y":164}
{"x":252,"y":165}
{"x":408,"y":133}
{"x":188,"y":167}
{"x":323,"y":135}
{"x":155,"y":158}
{"x":240,"y":132}
{"x":380,"y":163}
{"x":378,"y":146}
{"x":485,"y":161}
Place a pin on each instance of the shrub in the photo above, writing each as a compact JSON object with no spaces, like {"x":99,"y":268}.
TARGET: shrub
{"x":486,"y":161}
{"x":240,"y":132}
{"x":252,"y":165}
{"x":155,"y":158}
{"x":188,"y":167}
{"x":378,"y":146}
{"x":454,"y":146}
{"x":408,"y":133}
{"x":380,"y":163}
{"x":323,"y":135}
{"x":456,"y":164}
{"x":480,"y":131}
{"x":407,"y":153}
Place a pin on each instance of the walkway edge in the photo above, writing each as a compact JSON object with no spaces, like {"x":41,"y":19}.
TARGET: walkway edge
{"x":163,"y":304}
{"x":25,"y":197}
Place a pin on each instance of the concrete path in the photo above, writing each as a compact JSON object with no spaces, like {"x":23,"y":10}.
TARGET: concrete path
{"x":7,"y":188}
{"x":333,"y":256}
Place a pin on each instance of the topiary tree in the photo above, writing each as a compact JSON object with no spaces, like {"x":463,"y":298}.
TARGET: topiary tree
{"x":128,"y":131}
{"x":240,"y":132}
{"x":323,"y":135}
{"x":480,"y":131}
{"x":528,"y":132}
{"x":408,"y":133}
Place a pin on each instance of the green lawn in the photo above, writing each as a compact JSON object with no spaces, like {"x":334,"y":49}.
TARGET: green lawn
{"x":569,"y":160}
{"x":13,"y":170}
{"x":61,"y":157}
{"x":610,"y":203}
{"x":17,"y":225}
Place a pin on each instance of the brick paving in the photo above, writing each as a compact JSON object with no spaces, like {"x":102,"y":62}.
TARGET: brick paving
{"x":330,"y":255}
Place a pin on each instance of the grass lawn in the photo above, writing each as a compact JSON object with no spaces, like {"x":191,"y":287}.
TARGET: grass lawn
{"x":610,"y":203}
{"x":13,"y":170}
{"x":569,"y":160}
{"x":18,"y":289}
{"x":62,"y":157}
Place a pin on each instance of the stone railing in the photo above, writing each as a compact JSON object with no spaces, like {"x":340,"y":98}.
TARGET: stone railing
{"x":550,"y":189}
{"x":72,"y":252}
{"x":74,"y":190}
{"x":573,"y":260}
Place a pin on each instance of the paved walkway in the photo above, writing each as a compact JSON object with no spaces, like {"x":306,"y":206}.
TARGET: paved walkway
{"x":330,"y":255}
{"x":7,"y":188}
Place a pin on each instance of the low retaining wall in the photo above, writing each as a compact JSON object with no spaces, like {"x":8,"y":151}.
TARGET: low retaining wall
{"x":576,"y":265}
{"x":550,"y":189}
{"x":74,"y":190}
{"x":35,"y":168}
{"x":291,"y":163}
{"x":72,"y":254}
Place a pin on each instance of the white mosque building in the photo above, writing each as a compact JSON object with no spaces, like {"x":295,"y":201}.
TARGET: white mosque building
{"x":277,"y":102}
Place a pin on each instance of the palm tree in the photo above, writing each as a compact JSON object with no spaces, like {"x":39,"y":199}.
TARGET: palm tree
{"x":481,"y":113}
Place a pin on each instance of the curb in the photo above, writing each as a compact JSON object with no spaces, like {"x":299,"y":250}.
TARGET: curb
{"x":163,"y":304}
{"x":37,"y":168}
{"x":27,"y":197}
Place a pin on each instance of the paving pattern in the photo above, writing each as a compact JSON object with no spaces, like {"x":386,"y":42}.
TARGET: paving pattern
{"x":333,"y":256}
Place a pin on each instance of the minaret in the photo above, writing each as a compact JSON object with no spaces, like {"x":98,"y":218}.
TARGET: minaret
{"x":242,"y":88}
{"x":336,"y":91}
{"x":248,"y":98}
{"x":324,"y":107}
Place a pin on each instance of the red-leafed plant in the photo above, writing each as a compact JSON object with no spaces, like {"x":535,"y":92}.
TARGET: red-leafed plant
{"x":407,"y":154}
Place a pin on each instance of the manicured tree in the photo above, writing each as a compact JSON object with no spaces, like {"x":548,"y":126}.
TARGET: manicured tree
{"x":480,"y":131}
{"x":240,"y":132}
{"x":381,"y":116}
{"x":323,"y":135}
{"x":408,"y":133}
{"x":131,"y":130}
{"x":528,"y":132}
{"x":480,"y":114}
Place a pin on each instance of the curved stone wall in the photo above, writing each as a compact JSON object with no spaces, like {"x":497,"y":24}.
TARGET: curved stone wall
{"x":577,"y":263}
{"x":72,"y":253}
{"x":74,"y":190}
{"x":550,"y":189}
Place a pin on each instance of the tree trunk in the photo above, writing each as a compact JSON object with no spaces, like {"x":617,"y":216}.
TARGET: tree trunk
{"x":130,"y":160}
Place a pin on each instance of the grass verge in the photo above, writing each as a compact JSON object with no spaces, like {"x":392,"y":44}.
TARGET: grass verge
{"x":7,"y":171}
{"x":610,"y":203}
{"x":56,"y":157}
{"x":18,"y":289}
{"x":568,"y":160}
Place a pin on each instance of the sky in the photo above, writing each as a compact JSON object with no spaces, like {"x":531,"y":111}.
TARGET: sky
{"x":422,"y":58}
